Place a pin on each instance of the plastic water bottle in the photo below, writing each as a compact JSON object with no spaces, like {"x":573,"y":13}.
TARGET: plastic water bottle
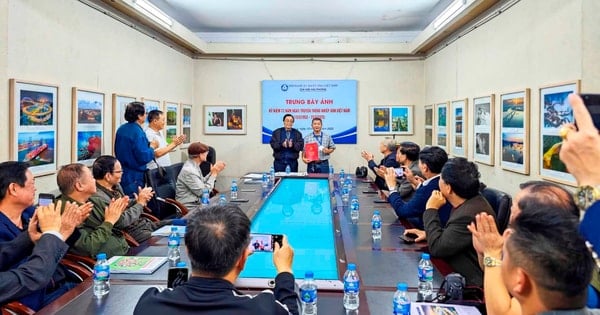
{"x":101,"y":276}
{"x":272,"y":176}
{"x":354,"y":209}
{"x":287,"y":169}
{"x":222,"y":200}
{"x":265,"y":181}
{"x":331,"y":171}
{"x":205,"y":199}
{"x":234,"y":190}
{"x":376,"y":225}
{"x":401,"y":300}
{"x":351,"y":288}
{"x":345,"y":194}
{"x":342,"y":175}
{"x":425,"y":278}
{"x":174,"y":254}
{"x":308,"y":295}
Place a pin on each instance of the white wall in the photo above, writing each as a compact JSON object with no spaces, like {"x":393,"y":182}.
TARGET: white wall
{"x":66,"y":43}
{"x":533,"y":44}
{"x":223,"y":82}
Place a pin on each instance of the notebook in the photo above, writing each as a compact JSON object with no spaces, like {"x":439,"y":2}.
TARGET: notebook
{"x":135,"y":264}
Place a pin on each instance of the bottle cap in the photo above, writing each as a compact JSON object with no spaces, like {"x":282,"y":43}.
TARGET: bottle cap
{"x":402,"y":286}
{"x":424,"y":256}
{"x":308,"y":275}
{"x":351,"y":266}
{"x":181,"y":264}
{"x":173,"y":229}
{"x":101,"y":256}
{"x":376,"y":212}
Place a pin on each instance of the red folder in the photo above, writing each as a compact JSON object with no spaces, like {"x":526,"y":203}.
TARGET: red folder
{"x":311,"y":151}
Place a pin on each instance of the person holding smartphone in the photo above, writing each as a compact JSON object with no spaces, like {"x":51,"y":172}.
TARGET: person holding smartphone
{"x":407,"y":156}
{"x":217,"y":239}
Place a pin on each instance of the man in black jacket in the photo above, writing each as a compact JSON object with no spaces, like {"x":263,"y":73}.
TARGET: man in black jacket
{"x":217,"y":240}
{"x":287,"y":143}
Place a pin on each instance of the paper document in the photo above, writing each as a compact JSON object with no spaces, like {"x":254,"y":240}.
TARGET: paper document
{"x":166,"y":231}
{"x":418,"y":308}
{"x":135,"y":264}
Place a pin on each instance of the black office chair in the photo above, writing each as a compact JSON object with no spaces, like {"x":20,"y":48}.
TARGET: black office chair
{"x":501,"y":203}
{"x":163,"y":204}
{"x":211,"y":158}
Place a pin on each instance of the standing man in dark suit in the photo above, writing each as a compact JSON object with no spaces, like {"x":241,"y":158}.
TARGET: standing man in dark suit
{"x":287,"y":143}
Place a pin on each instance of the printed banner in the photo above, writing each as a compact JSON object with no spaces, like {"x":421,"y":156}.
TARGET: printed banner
{"x":332,"y":101}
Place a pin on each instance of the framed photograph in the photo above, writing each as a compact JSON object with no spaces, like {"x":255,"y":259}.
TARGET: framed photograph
{"x":225,"y":119}
{"x":459,"y":128}
{"x":172,"y":110}
{"x":515,"y":131}
{"x":119,"y":104}
{"x":482,"y":136}
{"x":87,"y":132}
{"x":150,"y":105}
{"x":33,"y":125}
{"x":441,"y":125}
{"x":393,"y":119}
{"x":186,"y":124}
{"x":429,"y":125}
{"x":555,"y":111}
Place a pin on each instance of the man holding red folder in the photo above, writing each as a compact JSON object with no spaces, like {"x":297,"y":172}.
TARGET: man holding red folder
{"x":317,"y":148}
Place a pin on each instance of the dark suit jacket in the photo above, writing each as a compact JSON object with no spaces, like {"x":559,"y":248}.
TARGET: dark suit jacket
{"x":36,"y":272}
{"x":414,"y":208}
{"x":388,"y":161}
{"x":281,"y":153}
{"x":453,"y":243}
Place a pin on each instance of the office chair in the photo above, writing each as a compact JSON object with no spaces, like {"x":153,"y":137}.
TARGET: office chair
{"x":501,"y":203}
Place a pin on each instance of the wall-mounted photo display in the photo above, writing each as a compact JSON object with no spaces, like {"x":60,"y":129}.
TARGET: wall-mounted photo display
{"x":441,"y":125}
{"x":225,"y":119}
{"x":119,"y":104}
{"x":555,"y":111}
{"x":186,"y":124}
{"x":88,"y":126}
{"x":150,"y":105}
{"x":33,"y":125}
{"x":459,"y":128}
{"x":514,"y":129}
{"x":482,"y":136}
{"x":391,"y":120}
{"x":429,"y":125}
{"x":171,"y":126}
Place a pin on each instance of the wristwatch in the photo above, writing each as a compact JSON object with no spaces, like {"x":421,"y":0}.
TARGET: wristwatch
{"x":490,"y":261}
{"x":585,"y":196}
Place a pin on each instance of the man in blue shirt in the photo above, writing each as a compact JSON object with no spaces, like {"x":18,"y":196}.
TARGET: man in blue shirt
{"x":133,"y":149}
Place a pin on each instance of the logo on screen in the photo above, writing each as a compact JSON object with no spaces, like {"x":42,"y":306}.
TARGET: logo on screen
{"x":284,"y":87}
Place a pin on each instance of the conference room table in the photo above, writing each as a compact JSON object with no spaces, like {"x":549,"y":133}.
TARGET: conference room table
{"x":381,"y":265}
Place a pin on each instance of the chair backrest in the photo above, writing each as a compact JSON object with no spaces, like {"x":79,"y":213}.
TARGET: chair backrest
{"x":501,"y":203}
{"x":164,"y":187}
{"x":174,"y":170}
{"x":211,"y":158}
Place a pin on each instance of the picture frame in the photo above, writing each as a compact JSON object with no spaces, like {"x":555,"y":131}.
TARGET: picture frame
{"x":225,"y":119}
{"x":441,"y":125}
{"x":120,"y":102}
{"x":171,"y":115}
{"x":150,"y":105}
{"x":391,"y":120}
{"x":483,"y":136}
{"x":555,"y":111}
{"x":514,"y":129}
{"x":459,"y":110}
{"x":87,"y":138}
{"x":33,"y":125}
{"x":186,"y":124}
{"x":429,"y":125}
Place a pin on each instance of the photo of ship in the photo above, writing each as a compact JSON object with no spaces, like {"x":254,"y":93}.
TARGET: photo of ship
{"x":37,"y":148}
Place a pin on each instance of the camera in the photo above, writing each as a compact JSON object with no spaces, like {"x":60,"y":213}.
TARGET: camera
{"x":454,"y":284}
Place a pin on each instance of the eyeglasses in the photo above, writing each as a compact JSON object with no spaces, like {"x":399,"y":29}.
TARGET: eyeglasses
{"x":121,"y":171}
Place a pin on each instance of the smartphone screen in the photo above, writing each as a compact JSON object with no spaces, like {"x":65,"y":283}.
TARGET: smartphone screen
{"x":264,"y":242}
{"x":177,"y":276}
{"x":592,"y":102}
{"x":399,"y":172}
{"x":45,"y":199}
